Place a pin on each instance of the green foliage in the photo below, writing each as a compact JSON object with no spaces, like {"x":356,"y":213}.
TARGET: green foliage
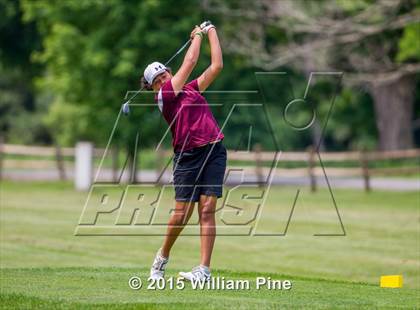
{"x":349,"y":125}
{"x":68,"y":122}
{"x":409,"y":44}
{"x":354,"y":5}
{"x":94,"y":51}
{"x":20,"y":113}
{"x":66,"y":66}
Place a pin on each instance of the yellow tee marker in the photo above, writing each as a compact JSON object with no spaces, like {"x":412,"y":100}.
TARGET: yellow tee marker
{"x":394,"y":281}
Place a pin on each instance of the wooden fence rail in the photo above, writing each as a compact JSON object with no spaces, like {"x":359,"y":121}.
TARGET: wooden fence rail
{"x":255,"y":159}
{"x":29,"y":150}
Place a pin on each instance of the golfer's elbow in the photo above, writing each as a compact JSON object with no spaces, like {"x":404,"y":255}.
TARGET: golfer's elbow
{"x":217,"y":62}
{"x":216,"y":67}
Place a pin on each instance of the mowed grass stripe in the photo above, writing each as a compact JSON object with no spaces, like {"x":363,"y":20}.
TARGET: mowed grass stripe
{"x":20,"y":301}
{"x":93,"y":287}
{"x":37,"y":222}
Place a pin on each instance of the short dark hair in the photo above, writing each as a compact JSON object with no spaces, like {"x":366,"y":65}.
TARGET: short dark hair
{"x":144,"y":84}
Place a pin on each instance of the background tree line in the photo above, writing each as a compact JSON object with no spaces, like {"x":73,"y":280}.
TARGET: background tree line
{"x":65,"y":67}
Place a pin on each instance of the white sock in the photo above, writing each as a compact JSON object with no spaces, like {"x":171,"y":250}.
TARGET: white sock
{"x":161,"y":256}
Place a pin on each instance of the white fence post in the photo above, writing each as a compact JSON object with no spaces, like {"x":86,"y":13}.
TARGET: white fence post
{"x":83,"y":168}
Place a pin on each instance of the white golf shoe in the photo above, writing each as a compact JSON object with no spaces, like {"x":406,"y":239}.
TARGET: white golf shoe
{"x":199,"y":273}
{"x":158,"y":268}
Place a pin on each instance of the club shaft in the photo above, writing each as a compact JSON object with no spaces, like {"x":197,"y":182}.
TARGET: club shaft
{"x":166,"y":63}
{"x":179,"y":51}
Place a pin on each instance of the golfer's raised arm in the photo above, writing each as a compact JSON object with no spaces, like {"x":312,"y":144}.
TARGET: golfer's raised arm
{"x":208,"y":76}
{"x":190,"y":60}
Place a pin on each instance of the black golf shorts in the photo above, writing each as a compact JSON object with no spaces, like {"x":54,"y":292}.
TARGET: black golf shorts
{"x":199,"y":171}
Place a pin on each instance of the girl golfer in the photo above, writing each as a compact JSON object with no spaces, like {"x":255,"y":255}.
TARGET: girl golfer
{"x":200,"y":157}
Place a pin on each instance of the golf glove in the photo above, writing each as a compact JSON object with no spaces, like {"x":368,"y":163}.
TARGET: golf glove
{"x":206,"y":26}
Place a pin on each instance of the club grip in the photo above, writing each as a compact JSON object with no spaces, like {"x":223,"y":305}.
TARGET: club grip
{"x":205,"y":24}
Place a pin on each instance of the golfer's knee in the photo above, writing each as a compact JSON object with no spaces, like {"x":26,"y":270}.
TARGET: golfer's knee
{"x":207,"y":210}
{"x":207,"y":214}
{"x":207,"y":217}
{"x":179,"y":219}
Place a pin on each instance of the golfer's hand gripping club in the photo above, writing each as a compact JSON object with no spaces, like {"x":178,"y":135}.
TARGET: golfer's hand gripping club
{"x":205,"y":27}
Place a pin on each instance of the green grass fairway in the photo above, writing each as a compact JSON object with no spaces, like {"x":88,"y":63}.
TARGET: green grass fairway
{"x":43,"y":265}
{"x":94,"y":287}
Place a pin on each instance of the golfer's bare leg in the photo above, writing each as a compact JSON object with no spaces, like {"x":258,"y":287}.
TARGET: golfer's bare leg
{"x":206,"y":212}
{"x":179,"y":218}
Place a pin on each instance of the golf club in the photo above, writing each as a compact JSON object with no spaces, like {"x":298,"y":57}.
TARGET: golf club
{"x":126,"y":105}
